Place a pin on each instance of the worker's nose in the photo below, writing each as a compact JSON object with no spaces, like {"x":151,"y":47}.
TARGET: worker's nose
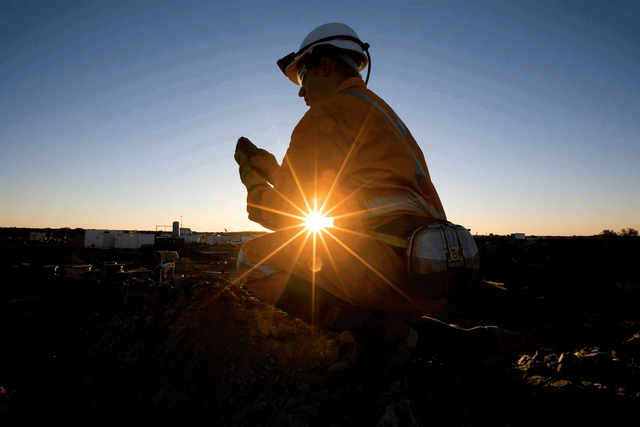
{"x":302,"y":92}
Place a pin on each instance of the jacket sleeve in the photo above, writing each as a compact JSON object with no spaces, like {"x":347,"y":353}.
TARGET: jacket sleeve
{"x":306,"y":176}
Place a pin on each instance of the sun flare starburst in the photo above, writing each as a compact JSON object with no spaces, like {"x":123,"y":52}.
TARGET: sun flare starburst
{"x":312,"y":235}
{"x":317,"y":222}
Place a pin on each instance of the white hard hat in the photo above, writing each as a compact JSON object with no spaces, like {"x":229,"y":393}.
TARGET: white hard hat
{"x":335,"y":34}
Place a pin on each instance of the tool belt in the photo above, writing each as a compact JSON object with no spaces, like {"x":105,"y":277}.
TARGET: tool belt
{"x":441,"y":258}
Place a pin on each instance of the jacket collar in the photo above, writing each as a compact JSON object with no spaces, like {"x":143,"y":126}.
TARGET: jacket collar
{"x":352,"y":83}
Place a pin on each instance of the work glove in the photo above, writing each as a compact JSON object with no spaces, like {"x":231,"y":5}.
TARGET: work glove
{"x":261,"y":160}
{"x":248,"y":175}
{"x":265,"y":163}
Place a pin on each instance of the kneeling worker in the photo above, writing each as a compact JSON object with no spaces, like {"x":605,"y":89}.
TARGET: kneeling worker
{"x":350,"y":160}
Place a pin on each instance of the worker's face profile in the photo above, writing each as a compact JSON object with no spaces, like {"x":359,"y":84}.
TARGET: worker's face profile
{"x":308,"y":87}
{"x":309,"y":83}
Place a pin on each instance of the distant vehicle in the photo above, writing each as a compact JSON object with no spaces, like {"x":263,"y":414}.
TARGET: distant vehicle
{"x":235,"y":242}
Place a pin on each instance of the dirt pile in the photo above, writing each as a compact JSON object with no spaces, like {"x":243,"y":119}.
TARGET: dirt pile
{"x":184,"y":353}
{"x":205,"y":352}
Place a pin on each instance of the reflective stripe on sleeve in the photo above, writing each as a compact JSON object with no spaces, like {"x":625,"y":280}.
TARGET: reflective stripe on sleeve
{"x":401,"y":202}
{"x":245,"y":264}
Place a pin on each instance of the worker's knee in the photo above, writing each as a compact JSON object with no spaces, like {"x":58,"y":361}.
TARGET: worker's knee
{"x":316,"y":306}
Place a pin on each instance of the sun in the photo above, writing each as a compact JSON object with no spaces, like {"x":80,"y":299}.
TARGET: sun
{"x":317,"y":222}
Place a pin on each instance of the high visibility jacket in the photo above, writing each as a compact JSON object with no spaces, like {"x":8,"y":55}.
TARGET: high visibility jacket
{"x":353,"y":159}
{"x":348,"y":156}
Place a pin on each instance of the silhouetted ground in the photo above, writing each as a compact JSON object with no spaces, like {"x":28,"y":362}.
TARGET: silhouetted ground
{"x":204,"y":352}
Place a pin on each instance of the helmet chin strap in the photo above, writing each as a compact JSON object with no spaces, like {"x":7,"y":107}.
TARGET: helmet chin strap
{"x":349,"y":60}
{"x":366,"y":50}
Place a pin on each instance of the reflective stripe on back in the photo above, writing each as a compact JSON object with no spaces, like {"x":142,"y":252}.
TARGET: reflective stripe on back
{"x":399,"y":125}
{"x":383,"y":205}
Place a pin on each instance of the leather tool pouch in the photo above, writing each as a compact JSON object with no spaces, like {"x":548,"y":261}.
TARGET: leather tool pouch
{"x":441,"y":258}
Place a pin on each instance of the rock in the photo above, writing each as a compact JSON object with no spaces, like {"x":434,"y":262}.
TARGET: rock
{"x":399,"y":415}
{"x":630,"y":349}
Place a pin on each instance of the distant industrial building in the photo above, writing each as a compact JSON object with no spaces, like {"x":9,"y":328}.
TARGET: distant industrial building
{"x":37,"y":236}
{"x":120,"y":239}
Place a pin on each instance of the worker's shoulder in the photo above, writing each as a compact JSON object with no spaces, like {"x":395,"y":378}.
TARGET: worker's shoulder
{"x":348,"y":101}
{"x":318,"y":119}
{"x":324,"y":110}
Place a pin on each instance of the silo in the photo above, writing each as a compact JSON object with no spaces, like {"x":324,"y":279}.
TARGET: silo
{"x":176,"y":229}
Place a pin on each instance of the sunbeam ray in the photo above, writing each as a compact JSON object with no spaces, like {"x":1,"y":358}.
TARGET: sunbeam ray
{"x":275,"y":251}
{"x":374,"y":270}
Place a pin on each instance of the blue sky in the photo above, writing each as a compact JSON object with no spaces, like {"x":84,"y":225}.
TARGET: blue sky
{"x":124,"y":115}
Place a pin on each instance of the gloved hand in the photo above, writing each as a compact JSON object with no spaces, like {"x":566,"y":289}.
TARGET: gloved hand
{"x":248,"y":175}
{"x":261,"y":160}
{"x":264,"y":163}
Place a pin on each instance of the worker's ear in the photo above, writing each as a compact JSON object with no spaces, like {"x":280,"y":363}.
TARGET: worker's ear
{"x":328,"y":66}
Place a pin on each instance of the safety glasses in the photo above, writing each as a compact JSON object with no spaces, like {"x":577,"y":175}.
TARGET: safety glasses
{"x":283,"y":63}
{"x":289,"y":59}
{"x":301,"y":72}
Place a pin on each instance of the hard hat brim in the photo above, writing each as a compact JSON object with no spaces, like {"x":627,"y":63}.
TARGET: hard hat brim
{"x":290,"y":69}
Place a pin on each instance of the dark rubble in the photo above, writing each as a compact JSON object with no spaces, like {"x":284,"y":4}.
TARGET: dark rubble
{"x":205,"y":352}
